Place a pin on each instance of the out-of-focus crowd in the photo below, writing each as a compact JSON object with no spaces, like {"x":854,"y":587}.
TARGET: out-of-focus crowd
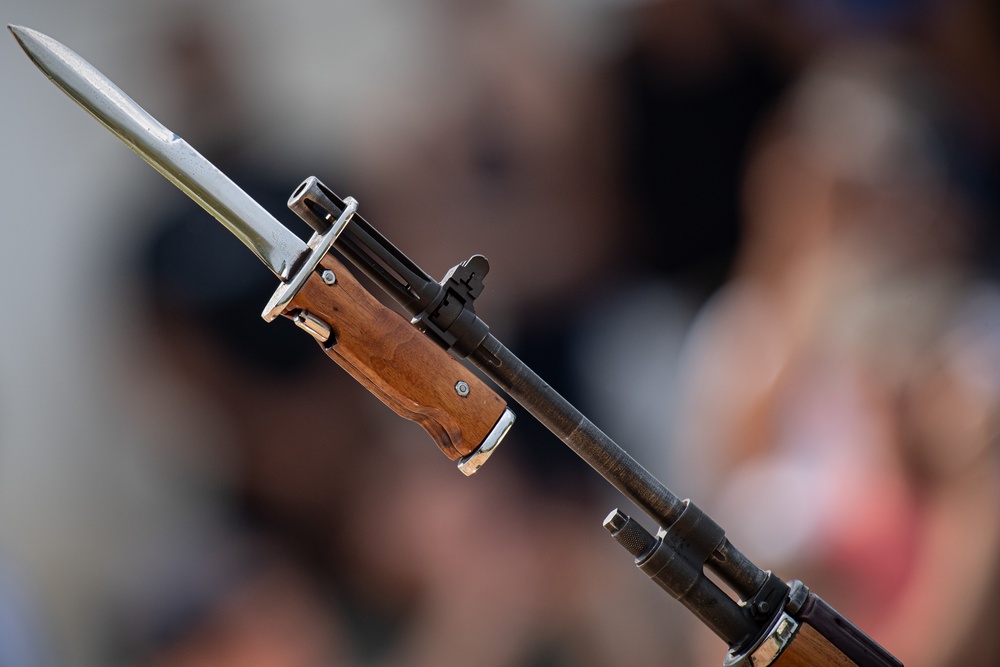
{"x":756,"y":242}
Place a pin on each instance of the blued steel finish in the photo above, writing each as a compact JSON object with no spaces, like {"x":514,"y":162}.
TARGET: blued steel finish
{"x":605,"y":456}
{"x":170,"y":155}
{"x":843,"y":634}
{"x":674,"y":559}
{"x":372,"y":253}
{"x":417,"y":293}
{"x":283,"y":253}
{"x":805,"y":606}
{"x":443,"y":311}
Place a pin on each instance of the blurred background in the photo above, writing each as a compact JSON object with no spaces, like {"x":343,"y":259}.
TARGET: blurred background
{"x":756,"y":242}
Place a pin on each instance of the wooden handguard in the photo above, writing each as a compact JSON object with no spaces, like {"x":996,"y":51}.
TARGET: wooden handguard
{"x":808,"y":648}
{"x":396,"y":362}
{"x":814,"y":635}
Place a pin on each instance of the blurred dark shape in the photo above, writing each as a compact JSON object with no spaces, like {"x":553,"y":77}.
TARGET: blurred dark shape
{"x":694,"y":86}
{"x":550,"y":348}
{"x":196,"y":270}
{"x":859,"y":17}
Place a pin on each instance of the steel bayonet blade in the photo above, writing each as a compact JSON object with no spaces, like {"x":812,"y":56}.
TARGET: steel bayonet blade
{"x":173,"y":157}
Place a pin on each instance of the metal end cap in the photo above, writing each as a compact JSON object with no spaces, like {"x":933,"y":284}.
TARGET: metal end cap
{"x":470,"y":464}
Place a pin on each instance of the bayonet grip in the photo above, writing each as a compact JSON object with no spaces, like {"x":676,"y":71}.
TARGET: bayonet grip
{"x":406,"y":370}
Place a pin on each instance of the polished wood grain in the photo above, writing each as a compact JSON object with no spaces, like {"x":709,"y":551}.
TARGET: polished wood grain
{"x":809,"y":648}
{"x":396,"y":362}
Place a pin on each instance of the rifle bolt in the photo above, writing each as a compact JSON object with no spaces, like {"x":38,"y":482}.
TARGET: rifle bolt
{"x":329,"y":277}
{"x":763,"y":607}
{"x":462,"y":388}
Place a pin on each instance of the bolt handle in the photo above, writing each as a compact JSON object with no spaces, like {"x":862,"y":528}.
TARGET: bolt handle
{"x":406,"y":370}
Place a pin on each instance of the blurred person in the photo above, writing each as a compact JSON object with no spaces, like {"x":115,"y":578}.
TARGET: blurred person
{"x":841,"y":403}
{"x":694,"y":80}
{"x":689,"y":82}
{"x":509,"y":150}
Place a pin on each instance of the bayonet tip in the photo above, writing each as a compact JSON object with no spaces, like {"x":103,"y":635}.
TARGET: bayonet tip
{"x":21,"y":33}
{"x":35,"y":44}
{"x":17,"y":31}
{"x":275,"y":245}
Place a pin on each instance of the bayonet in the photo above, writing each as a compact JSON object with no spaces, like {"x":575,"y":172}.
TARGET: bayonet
{"x":272,"y":242}
{"x":405,"y":363}
{"x":407,"y":371}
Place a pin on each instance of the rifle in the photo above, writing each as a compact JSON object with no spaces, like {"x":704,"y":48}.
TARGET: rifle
{"x":416,"y":369}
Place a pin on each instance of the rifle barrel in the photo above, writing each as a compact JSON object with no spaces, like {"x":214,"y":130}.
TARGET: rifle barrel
{"x":604,"y":455}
